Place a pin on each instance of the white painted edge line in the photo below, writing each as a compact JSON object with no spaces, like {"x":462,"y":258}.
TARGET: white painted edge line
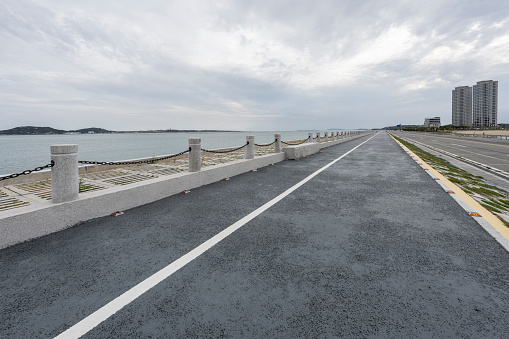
{"x":480,"y":220}
{"x":94,"y":319}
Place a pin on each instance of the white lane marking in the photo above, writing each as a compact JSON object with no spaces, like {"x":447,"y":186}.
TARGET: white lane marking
{"x":94,"y":319}
{"x":464,"y":150}
{"x":458,"y":145}
{"x":483,"y":155}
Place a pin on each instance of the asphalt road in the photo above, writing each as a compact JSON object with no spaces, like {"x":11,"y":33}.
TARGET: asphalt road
{"x":491,"y":152}
{"x":370,"y":247}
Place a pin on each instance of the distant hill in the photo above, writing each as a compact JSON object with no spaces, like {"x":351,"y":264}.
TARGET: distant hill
{"x":93,"y":130}
{"x":33,"y":130}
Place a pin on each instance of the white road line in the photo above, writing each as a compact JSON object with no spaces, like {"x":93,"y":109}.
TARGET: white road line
{"x":94,"y":319}
{"x":464,"y":150}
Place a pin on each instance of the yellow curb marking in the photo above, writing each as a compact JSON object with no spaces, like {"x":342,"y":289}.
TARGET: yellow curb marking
{"x":487,"y":215}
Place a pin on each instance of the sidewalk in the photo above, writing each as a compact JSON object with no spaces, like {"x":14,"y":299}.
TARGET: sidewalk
{"x":371,"y":246}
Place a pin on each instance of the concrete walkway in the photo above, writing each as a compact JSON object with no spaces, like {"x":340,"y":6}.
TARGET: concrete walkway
{"x":369,"y":247}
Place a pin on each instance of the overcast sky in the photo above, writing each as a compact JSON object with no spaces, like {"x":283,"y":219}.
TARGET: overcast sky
{"x":245,"y":65}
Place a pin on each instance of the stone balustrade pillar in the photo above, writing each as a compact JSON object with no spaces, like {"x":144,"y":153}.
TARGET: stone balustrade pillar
{"x":318,"y":140}
{"x":194,"y":154}
{"x":64,"y":173}
{"x":250,"y":148}
{"x":277,"y":145}
{"x":310,"y":138}
{"x":326,"y":137}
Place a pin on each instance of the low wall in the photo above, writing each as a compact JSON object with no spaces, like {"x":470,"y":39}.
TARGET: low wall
{"x":296,"y":152}
{"x":45,"y":218}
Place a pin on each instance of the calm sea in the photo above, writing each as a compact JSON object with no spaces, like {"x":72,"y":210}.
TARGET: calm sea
{"x":24,"y":152}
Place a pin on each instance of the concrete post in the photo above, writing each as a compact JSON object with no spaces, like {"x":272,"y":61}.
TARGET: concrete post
{"x":65,"y":183}
{"x":318,"y":140}
{"x":250,"y":152}
{"x":326,"y":137}
{"x":277,"y":145}
{"x":194,"y":154}
{"x":337,"y":136}
{"x":310,"y":138}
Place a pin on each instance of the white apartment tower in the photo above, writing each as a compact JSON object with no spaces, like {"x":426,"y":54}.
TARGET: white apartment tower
{"x":485,"y":106}
{"x":462,"y":106}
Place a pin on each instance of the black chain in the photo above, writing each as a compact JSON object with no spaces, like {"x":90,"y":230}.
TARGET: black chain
{"x":266,"y":145}
{"x":149,"y":161}
{"x":298,"y":143}
{"x":228,"y":151}
{"x":37,"y":169}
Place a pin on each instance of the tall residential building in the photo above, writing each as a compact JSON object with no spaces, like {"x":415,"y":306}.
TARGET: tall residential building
{"x":462,"y":106}
{"x":485,"y":103}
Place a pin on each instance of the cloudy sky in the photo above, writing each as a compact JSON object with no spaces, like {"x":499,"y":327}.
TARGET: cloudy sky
{"x":245,"y":65}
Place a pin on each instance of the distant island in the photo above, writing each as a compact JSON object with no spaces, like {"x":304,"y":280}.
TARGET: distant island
{"x":33,"y":130}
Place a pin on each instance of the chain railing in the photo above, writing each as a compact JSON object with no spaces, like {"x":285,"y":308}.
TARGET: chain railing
{"x":136,"y":162}
{"x":37,"y":169}
{"x":266,"y":145}
{"x":153,"y":160}
{"x":296,"y":143}
{"x":225,"y":151}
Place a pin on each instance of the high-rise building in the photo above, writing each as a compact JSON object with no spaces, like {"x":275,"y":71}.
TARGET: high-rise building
{"x":462,"y":106}
{"x":485,"y":106}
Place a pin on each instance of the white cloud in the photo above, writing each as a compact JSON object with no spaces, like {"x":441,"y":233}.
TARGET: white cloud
{"x":248,"y":61}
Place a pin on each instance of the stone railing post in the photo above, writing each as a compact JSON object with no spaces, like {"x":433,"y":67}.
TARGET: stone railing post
{"x":310,"y":138}
{"x":194,"y":158}
{"x":250,"y":152}
{"x":277,"y":145}
{"x":318,"y":140}
{"x":65,"y":183}
{"x":194,"y":154}
{"x":326,"y":137}
{"x":337,"y":135}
